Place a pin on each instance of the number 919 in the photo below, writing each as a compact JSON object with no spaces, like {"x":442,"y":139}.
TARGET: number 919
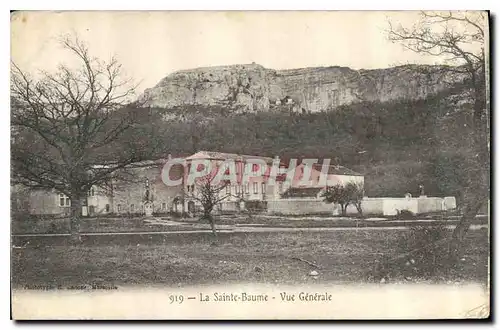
{"x":174,"y":298}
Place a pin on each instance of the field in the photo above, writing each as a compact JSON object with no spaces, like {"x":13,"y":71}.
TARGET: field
{"x":166,"y":223}
{"x":188,"y":259}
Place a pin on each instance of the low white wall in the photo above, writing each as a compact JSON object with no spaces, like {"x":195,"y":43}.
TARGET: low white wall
{"x":450,"y":203}
{"x":391,"y":206}
{"x":296,"y":206}
{"x":370,"y":206}
{"x":430,"y":204}
{"x":229,"y":206}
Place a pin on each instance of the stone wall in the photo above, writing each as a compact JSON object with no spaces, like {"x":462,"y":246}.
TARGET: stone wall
{"x":229,"y":207}
{"x":297,"y":206}
{"x":391,"y":206}
{"x":371,"y":206}
{"x":430,"y":204}
{"x":450,"y":203}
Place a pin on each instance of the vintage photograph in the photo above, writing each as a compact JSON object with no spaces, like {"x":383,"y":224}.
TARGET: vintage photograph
{"x":246,"y":165}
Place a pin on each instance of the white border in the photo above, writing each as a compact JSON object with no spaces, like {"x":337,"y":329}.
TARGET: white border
{"x":174,"y":5}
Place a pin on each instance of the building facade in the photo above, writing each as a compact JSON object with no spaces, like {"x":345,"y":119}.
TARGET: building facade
{"x":234,"y":194}
{"x":140,"y":189}
{"x":257,"y":186}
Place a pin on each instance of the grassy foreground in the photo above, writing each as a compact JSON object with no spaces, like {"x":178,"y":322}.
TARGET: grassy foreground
{"x":121,"y":224}
{"x":186,"y":259}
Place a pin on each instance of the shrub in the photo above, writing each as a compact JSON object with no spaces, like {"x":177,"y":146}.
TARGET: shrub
{"x":256,"y":206}
{"x":405,"y":215}
{"x":420,"y":254}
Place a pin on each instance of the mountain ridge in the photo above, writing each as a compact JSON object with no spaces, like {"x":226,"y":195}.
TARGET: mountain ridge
{"x":252,"y":87}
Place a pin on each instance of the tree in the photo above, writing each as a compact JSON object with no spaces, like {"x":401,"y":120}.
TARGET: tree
{"x":356,"y":192}
{"x":209,"y":194}
{"x":459,"y":39}
{"x":72,"y":129}
{"x":337,"y":194}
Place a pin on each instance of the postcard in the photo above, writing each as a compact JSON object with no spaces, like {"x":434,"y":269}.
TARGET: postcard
{"x":249,"y":165}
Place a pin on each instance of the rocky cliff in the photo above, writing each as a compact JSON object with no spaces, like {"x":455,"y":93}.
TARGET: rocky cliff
{"x":251,"y":87}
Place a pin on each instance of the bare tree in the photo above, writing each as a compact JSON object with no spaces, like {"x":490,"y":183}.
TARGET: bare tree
{"x":209,"y":194}
{"x":72,"y":126}
{"x":459,"y":39}
{"x":356,"y":192}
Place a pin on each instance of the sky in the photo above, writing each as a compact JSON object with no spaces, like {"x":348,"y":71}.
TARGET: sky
{"x":151,"y":45}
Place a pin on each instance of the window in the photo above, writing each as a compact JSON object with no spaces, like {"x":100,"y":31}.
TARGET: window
{"x":147,"y":183}
{"x":64,"y":200}
{"x":132,"y":207}
{"x":91,"y":192}
{"x":228,"y":190}
{"x":255,"y":188}
{"x":237,"y":189}
{"x":259,"y":169}
{"x":163,"y":206}
{"x":280,"y":187}
{"x":263,"y":187}
{"x":247,"y":188}
{"x":107,"y":208}
{"x":119,"y":207}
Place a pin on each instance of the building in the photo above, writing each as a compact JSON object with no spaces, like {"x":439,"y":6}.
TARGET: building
{"x":142,"y":190}
{"x":257,"y":187}
{"x":308,"y":180}
{"x":137,"y":189}
{"x":234,"y":194}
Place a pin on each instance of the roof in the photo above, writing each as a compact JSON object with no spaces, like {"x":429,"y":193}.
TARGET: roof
{"x":337,"y":170}
{"x":298,"y":192}
{"x":143,"y":163}
{"x":224,"y":155}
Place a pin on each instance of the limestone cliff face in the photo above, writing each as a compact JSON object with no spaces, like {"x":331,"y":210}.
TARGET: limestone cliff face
{"x":252,"y":87}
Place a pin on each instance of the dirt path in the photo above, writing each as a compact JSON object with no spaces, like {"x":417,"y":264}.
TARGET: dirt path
{"x":241,"y":229}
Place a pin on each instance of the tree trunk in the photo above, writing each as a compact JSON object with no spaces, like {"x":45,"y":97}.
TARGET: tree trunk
{"x":343,"y":209}
{"x":212,"y":224}
{"x":460,"y":231}
{"x":479,"y":175}
{"x":76,"y":214}
{"x":360,"y":210}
